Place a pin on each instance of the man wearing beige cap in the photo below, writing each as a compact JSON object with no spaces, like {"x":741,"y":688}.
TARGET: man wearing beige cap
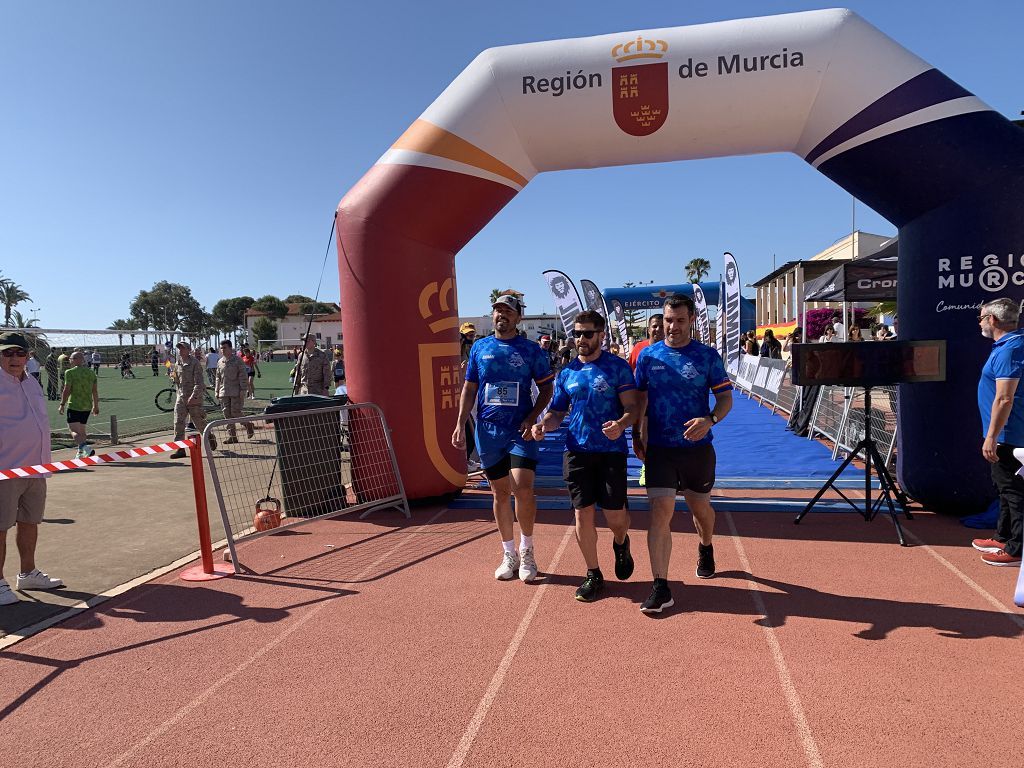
{"x":315,"y":375}
{"x":191,"y":386}
{"x":467,"y":335}
{"x":26,"y":442}
{"x":232,"y":381}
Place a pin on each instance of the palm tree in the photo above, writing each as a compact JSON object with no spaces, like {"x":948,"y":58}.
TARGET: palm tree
{"x":18,"y":320}
{"x":11,"y":294}
{"x":696,"y":269}
{"x":495,"y":293}
{"x":121,"y":326}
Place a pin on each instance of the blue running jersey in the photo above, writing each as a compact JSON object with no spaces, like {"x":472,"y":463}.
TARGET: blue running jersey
{"x":503,"y":371}
{"x":677,"y":382}
{"x":592,"y":391}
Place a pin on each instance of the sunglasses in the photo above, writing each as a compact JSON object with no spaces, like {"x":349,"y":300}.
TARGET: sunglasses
{"x":584,"y":334}
{"x":15,"y":353}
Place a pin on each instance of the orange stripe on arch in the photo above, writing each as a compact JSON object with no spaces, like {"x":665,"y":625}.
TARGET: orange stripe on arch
{"x":430,"y":139}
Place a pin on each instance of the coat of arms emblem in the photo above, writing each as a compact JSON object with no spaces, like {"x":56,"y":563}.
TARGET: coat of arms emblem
{"x":640,"y":91}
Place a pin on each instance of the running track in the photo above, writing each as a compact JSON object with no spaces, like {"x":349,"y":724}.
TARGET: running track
{"x":388,"y":643}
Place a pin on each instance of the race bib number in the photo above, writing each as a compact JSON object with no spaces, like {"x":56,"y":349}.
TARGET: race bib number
{"x":502,"y":393}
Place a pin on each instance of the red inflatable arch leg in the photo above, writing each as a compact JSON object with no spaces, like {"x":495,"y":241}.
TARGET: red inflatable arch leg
{"x":398,"y":231}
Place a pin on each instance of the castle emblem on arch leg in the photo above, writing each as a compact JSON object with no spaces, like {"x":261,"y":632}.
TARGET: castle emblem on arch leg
{"x":440,"y":376}
{"x":640,"y":91}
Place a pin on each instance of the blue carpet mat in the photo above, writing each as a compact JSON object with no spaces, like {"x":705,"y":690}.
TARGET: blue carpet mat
{"x":751,"y":444}
{"x":640,"y":504}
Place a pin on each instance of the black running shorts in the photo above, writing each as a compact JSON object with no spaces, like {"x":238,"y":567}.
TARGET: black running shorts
{"x":680,"y":469}
{"x":507,"y":463}
{"x":78,"y":417}
{"x":596,"y":478}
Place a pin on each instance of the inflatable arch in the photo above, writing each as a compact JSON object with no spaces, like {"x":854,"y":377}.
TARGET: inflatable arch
{"x":883,"y":124}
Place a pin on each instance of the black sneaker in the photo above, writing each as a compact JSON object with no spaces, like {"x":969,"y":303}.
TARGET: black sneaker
{"x":660,"y":599}
{"x":705,"y":561}
{"x":623,"y":560}
{"x":587,"y":592}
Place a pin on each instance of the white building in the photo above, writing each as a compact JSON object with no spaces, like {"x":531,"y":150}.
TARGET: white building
{"x":532,"y":325}
{"x":326,"y":327}
{"x":780,"y":294}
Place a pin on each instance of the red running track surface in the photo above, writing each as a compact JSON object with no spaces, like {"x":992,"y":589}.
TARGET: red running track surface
{"x":390,"y":644}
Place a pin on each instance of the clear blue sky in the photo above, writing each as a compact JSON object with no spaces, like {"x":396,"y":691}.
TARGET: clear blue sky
{"x":208,"y":143}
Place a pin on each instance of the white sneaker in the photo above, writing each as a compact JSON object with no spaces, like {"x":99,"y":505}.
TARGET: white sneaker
{"x":7,"y":596}
{"x":472,"y":467}
{"x":509,"y":566}
{"x":36,"y":579}
{"x":528,"y":568}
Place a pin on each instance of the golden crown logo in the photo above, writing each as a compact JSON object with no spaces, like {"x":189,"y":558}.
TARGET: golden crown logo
{"x":641,"y":48}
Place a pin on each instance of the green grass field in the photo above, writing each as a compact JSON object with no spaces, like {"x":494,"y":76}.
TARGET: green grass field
{"x":132,"y":401}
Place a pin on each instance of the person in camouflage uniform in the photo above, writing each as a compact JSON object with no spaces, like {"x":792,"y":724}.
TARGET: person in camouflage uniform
{"x":191,"y":386}
{"x":315,"y":376}
{"x":232,"y":382}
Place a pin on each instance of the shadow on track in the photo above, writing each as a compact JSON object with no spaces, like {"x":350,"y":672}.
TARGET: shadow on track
{"x":162,"y":603}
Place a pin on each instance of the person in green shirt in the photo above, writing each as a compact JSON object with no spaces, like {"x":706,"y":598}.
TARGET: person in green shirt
{"x":81,"y":392}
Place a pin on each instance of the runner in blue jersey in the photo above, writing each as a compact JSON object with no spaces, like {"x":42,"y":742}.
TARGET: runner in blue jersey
{"x":598,"y":392}
{"x":499,"y":373}
{"x":674,"y":379}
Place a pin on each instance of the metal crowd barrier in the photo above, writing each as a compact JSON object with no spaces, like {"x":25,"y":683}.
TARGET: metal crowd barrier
{"x":787,"y":399}
{"x":838,"y":413}
{"x":882,"y":421}
{"x":829,"y":411}
{"x":280,"y":470}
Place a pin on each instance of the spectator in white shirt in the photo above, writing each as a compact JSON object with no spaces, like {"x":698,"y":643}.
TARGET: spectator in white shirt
{"x":839,"y":328}
{"x":32,"y":365}
{"x":212,"y":358}
{"x":25,"y":427}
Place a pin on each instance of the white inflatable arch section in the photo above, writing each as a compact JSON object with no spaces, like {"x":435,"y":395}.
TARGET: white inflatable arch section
{"x":824,"y":85}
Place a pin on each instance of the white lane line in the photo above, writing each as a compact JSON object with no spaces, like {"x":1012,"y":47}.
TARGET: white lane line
{"x":985,"y":594}
{"x":198,"y":701}
{"x":466,"y":742}
{"x":796,"y":708}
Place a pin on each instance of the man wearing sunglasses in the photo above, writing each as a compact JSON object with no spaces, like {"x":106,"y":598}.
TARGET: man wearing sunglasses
{"x":598,"y":392}
{"x":1001,"y":403}
{"x":674,"y":379}
{"x":25,"y":430}
{"x":498,"y":376}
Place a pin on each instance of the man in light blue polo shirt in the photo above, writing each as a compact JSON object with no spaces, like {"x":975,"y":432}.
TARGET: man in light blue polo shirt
{"x":1001,"y":403}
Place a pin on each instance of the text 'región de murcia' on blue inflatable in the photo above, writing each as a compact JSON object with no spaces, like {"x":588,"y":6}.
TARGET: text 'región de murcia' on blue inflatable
{"x":825,"y":85}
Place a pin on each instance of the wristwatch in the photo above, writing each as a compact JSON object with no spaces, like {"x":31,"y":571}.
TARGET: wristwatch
{"x":714,"y":419}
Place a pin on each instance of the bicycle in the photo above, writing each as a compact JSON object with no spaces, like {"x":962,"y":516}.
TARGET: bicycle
{"x":166,"y":398}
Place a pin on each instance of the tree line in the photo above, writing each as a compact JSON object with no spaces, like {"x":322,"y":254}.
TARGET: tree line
{"x":171,"y":307}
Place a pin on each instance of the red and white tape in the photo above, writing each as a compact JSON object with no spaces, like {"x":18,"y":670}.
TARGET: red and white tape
{"x":104,"y":458}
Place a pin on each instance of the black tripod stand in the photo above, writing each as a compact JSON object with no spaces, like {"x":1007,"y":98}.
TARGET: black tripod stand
{"x":885,"y":481}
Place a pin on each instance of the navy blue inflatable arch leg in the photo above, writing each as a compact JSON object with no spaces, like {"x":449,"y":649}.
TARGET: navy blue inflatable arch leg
{"x":955,"y":189}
